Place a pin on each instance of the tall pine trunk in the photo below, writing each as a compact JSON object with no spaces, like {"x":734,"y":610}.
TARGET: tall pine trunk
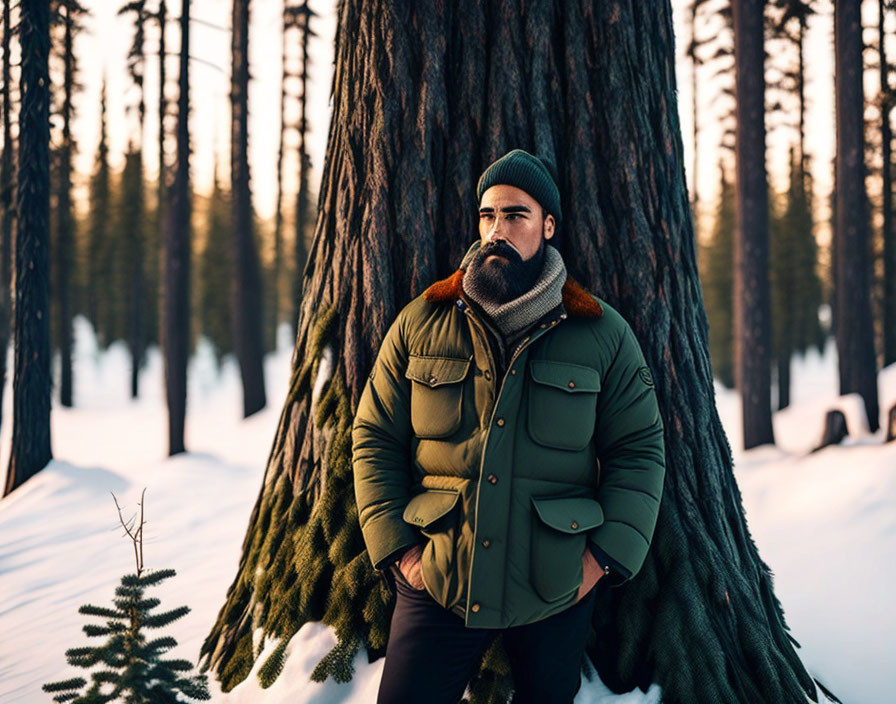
{"x":175,"y":331}
{"x":64,"y":241}
{"x":857,"y":361}
{"x":7,"y":202}
{"x":303,"y":217}
{"x":752,"y":304}
{"x":889,"y":236}
{"x":278,"y":215}
{"x":31,"y":383}
{"x":246,"y":298}
{"x":419,"y":112}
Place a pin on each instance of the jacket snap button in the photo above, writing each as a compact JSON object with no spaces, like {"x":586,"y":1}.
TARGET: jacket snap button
{"x":432,"y":380}
{"x":492,"y":478}
{"x":486,"y":543}
{"x":474,"y":608}
{"x":542,"y":326}
{"x":488,"y":375}
{"x":513,"y":371}
{"x":574,"y":525}
{"x":500,"y":421}
{"x":572,"y":384}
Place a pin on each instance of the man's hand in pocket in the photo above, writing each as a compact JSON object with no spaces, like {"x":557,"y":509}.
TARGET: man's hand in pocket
{"x":409,"y":565}
{"x":591,"y":573}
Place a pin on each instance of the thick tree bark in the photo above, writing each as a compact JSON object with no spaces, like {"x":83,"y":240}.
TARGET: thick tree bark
{"x":426,"y":94}
{"x":246,"y":301}
{"x":752,"y":305}
{"x":31,"y":383}
{"x":857,"y":361}
{"x":7,"y":203}
{"x":175,"y":331}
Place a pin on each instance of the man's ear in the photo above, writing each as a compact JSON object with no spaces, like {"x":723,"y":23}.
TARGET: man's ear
{"x":549,"y":226}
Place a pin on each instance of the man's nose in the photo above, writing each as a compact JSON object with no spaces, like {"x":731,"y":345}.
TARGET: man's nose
{"x":497,"y":230}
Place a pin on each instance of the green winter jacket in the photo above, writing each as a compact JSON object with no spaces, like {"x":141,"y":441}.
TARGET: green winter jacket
{"x":504,"y":480}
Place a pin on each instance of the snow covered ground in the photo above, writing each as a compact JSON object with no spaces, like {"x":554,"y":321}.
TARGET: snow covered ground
{"x":824,"y":522}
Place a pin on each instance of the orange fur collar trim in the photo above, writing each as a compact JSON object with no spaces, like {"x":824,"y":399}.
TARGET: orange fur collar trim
{"x":576,"y":300}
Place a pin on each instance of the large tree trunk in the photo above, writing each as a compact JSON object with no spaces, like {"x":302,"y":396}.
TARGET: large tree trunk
{"x":31,"y":383}
{"x":7,"y":202}
{"x":855,"y":334}
{"x":175,"y":331}
{"x":426,"y":95}
{"x":248,"y":340}
{"x":752,"y":305}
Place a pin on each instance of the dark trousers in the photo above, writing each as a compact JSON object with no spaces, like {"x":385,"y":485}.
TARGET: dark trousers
{"x":431,"y":655}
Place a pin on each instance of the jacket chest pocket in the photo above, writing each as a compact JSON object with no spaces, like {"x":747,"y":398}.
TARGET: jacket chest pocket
{"x":436,"y":394}
{"x":559,"y":534}
{"x":562,"y":404}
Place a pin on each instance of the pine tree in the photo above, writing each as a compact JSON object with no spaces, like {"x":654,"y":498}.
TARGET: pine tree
{"x":246,"y":295}
{"x":65,"y":20}
{"x":7,"y":198}
{"x":303,"y":15}
{"x":717,"y":281}
{"x":30,"y":450}
{"x":701,"y":617}
{"x":214,"y":272}
{"x":796,"y":290}
{"x":134,"y":204}
{"x":98,"y":229}
{"x":134,"y":670}
{"x":752,"y":306}
{"x":692,"y":51}
{"x":131,"y":233}
{"x":856,"y":357}
{"x":888,"y":232}
{"x":175,"y":321}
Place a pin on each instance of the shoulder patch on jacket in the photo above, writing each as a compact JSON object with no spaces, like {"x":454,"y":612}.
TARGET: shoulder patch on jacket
{"x":646,"y":376}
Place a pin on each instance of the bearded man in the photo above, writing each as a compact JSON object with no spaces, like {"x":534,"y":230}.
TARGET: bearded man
{"x":508,"y":457}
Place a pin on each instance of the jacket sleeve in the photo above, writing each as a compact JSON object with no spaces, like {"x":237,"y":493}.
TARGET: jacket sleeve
{"x":629,"y":444}
{"x":381,"y":435}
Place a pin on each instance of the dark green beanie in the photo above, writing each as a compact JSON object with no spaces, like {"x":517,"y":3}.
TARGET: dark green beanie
{"x":534,"y":175}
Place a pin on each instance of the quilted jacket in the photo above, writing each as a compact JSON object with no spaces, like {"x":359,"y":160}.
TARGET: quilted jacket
{"x":505,"y":469}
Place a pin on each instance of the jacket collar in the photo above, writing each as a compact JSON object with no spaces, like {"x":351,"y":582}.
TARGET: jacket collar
{"x":576,"y":300}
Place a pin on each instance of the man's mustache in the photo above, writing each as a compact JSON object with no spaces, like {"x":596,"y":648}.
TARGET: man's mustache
{"x":501,"y":248}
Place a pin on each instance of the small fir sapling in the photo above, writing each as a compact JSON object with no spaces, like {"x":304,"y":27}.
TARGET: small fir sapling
{"x":134,"y":670}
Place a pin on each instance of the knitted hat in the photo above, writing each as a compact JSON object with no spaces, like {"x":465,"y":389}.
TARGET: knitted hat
{"x":536,"y":176}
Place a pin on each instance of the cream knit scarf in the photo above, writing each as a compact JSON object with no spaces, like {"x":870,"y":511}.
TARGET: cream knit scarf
{"x":521,"y":312}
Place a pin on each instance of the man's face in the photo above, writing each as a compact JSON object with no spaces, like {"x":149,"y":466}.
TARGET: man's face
{"x":513,"y":233}
{"x":510,"y":215}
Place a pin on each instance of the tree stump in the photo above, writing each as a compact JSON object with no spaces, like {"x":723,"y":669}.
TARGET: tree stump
{"x":834,"y":429}
{"x":891,"y":424}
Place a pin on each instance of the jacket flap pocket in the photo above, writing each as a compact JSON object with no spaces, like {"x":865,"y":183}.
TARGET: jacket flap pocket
{"x":435,"y":371}
{"x":429,"y":506}
{"x":571,"y":515}
{"x":565,"y":376}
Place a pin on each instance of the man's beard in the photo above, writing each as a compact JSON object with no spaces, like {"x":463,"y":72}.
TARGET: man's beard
{"x":501,"y":280}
